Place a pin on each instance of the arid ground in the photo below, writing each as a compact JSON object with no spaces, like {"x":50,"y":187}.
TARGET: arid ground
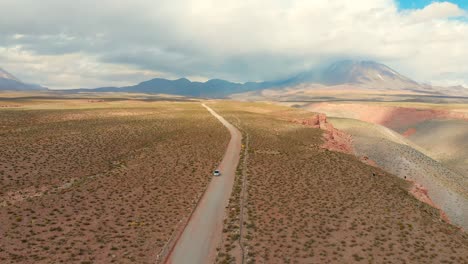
{"x":100,"y":181}
{"x":422,"y":142}
{"x":398,"y":155}
{"x":305,"y":204}
{"x":203,"y":232}
{"x":109,"y":179}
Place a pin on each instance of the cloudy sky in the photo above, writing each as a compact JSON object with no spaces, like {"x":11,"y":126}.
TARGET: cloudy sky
{"x":89,"y":43}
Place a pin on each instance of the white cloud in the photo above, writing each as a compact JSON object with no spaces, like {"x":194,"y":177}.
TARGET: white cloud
{"x":72,"y":70}
{"x":236,"y":40}
{"x":437,"y":10}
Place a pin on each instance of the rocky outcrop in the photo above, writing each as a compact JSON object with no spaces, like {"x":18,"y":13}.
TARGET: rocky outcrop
{"x":393,"y":117}
{"x":421,"y":193}
{"x":337,"y":140}
{"x":409,"y":132}
{"x":334,"y":139}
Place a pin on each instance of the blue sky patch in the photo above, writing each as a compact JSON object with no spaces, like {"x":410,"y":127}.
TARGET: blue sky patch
{"x":418,"y":4}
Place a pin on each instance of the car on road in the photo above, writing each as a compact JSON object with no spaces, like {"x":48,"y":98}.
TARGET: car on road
{"x":216,"y":173}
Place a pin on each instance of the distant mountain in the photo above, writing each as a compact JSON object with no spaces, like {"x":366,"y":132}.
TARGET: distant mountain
{"x":212,"y":88}
{"x":367,"y":74}
{"x":11,"y":83}
{"x":356,"y":74}
{"x":6,"y":75}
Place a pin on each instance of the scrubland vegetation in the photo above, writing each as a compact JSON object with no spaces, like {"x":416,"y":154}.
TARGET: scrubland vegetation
{"x":108,"y":184}
{"x":309,"y":205}
{"x":401,"y":157}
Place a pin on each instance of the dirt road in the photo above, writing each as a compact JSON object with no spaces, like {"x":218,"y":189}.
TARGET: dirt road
{"x":202,"y":235}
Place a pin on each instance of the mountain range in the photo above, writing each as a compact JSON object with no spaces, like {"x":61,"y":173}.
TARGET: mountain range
{"x":364,"y":74}
{"x":10,"y":82}
{"x":360,"y":74}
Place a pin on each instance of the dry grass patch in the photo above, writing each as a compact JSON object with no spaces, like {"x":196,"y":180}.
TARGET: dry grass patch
{"x":108,"y":185}
{"x":309,"y":205}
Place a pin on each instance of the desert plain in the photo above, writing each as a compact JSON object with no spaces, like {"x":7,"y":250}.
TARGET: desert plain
{"x":115,"y":179}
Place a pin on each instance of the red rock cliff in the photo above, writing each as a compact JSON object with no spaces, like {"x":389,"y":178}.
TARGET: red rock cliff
{"x":335,"y":139}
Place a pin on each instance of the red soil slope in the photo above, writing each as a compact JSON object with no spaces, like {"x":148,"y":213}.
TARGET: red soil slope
{"x":421,"y":193}
{"x":390,"y":116}
{"x":335,"y":139}
{"x":409,"y":132}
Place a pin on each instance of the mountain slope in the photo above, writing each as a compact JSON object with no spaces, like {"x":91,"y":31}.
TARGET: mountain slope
{"x":10,"y":82}
{"x":452,"y":151}
{"x":182,"y":86}
{"x":6,"y":75}
{"x":399,"y":156}
{"x":366,"y":73}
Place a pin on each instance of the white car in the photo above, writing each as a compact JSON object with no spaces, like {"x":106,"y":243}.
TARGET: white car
{"x":216,"y":173}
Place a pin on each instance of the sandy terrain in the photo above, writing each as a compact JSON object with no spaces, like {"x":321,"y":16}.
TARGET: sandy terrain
{"x":309,"y":205}
{"x":317,"y":92}
{"x":393,"y":117}
{"x":101,"y":182}
{"x":334,"y":139}
{"x":399,"y":156}
{"x":445,"y":140}
{"x":434,"y":153}
{"x":112,"y":181}
{"x":202,"y":235}
{"x":309,"y":92}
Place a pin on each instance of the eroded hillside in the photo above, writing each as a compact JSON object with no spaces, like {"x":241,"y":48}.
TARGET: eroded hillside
{"x":305,"y":204}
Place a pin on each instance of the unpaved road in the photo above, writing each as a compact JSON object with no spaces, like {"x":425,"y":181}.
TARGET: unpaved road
{"x":202,"y":235}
